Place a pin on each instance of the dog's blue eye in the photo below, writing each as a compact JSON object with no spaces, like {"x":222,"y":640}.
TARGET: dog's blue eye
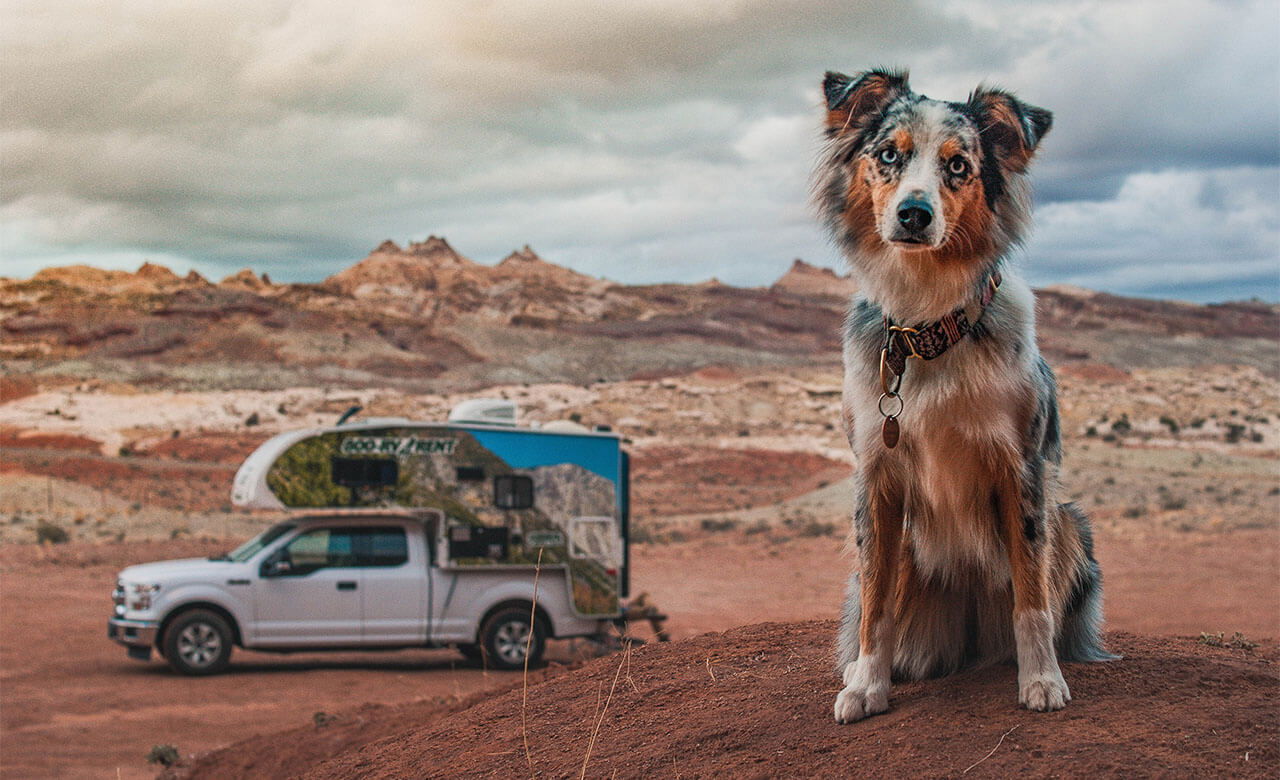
{"x":957,"y":166}
{"x":889,"y":156}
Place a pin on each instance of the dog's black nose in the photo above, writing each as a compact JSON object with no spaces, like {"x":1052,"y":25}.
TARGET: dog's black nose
{"x":915,"y":215}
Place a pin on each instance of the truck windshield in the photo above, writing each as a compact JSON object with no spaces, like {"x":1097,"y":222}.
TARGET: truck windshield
{"x":250,"y":548}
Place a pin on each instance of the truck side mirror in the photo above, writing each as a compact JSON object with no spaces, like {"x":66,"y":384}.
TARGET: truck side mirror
{"x":275,"y":567}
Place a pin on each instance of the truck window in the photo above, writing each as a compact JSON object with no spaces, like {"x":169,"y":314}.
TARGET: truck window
{"x":250,"y":548}
{"x":511,"y":491}
{"x":383,"y":547}
{"x":322,"y":548}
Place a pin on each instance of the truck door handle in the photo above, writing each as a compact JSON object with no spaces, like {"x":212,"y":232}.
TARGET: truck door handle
{"x":346,"y":585}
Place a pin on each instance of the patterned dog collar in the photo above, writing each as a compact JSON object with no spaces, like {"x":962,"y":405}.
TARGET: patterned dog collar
{"x":926,"y":342}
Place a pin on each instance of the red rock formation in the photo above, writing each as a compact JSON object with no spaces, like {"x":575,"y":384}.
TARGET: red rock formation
{"x":811,"y":280}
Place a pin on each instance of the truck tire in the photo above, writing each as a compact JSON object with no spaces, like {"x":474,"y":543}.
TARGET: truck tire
{"x":506,"y":635}
{"x":198,"y":642}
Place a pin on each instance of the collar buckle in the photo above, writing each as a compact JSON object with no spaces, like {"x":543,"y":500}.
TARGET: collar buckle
{"x":906,"y":334}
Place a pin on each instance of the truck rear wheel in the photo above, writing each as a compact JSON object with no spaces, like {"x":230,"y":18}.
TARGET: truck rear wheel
{"x":506,"y":639}
{"x":198,"y":642}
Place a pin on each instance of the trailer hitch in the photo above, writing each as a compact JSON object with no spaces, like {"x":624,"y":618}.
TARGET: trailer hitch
{"x":639,"y":609}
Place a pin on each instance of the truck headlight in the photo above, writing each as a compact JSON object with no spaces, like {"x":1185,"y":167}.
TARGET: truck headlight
{"x":140,"y":594}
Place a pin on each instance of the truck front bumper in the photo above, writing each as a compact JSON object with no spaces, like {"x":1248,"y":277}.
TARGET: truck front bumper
{"x":139,"y":636}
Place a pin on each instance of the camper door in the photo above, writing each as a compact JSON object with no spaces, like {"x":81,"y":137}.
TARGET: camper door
{"x":596,"y":539}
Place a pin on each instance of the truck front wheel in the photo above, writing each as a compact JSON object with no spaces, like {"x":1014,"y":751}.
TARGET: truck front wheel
{"x":506,"y":639}
{"x":198,"y":642}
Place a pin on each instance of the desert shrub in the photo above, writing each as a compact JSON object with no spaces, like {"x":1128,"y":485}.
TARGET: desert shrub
{"x":1234,"y":433}
{"x":758,"y":527}
{"x":322,"y":719}
{"x":47,"y":532}
{"x":815,"y":527}
{"x":1238,"y":641}
{"x":1133,"y":511}
{"x":642,"y":533}
{"x":164,"y":755}
{"x":1122,"y":426}
{"x":1169,"y":423}
{"x":1171,"y":502}
{"x":718,"y":524}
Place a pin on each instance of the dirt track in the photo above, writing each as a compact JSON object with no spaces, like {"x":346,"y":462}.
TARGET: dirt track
{"x":755,"y":702}
{"x":74,"y":706}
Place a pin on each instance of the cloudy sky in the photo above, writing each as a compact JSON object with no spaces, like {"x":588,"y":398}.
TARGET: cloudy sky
{"x":645,"y":140}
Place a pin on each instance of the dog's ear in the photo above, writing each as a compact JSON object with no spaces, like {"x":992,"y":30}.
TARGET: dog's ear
{"x":852,"y":100}
{"x":1014,"y":128}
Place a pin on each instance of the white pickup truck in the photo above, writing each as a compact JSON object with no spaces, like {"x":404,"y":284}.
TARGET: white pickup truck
{"x":349,"y":580}
{"x":473,"y":533}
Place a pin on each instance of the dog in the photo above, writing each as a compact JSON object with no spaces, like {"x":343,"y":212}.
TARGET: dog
{"x":965,"y":555}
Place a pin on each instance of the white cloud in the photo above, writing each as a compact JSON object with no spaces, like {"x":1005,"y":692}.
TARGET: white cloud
{"x":1185,"y":234}
{"x":654,"y":140}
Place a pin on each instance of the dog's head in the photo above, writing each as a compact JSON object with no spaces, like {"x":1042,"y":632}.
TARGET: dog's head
{"x":925,"y":176}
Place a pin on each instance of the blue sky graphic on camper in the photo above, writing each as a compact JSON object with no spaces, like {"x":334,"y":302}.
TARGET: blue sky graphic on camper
{"x":522,"y":450}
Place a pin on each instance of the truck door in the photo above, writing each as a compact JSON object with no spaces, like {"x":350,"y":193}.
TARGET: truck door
{"x":394,"y":585}
{"x":308,"y":591}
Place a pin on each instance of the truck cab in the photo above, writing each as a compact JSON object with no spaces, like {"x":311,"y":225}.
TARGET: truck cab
{"x":393,"y":534}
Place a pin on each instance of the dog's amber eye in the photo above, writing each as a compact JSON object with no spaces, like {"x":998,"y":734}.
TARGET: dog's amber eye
{"x":957,"y":166}
{"x":889,"y":156}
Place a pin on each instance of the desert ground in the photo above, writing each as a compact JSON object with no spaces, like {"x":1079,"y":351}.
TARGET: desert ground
{"x":128,"y":401}
{"x":741,"y":513}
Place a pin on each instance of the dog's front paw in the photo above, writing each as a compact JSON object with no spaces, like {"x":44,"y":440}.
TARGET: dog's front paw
{"x":1044,"y":693}
{"x":855,"y":703}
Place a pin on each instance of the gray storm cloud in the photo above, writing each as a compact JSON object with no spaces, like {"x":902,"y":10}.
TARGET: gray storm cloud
{"x":643,"y":141}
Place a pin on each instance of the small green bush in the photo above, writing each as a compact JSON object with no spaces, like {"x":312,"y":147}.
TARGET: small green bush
{"x":164,"y":755}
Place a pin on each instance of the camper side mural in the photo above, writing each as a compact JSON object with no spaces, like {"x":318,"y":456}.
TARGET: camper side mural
{"x":507,"y":494}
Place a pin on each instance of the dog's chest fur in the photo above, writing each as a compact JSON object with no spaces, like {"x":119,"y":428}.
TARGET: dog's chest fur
{"x":962,"y":431}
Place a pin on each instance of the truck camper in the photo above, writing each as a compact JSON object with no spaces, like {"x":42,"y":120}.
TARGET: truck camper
{"x":474,"y":533}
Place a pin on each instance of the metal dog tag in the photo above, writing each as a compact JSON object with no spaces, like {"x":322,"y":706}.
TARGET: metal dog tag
{"x":889,"y":431}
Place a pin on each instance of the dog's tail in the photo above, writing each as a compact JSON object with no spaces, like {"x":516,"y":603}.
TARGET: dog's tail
{"x":1080,"y":638}
{"x":847,"y":647}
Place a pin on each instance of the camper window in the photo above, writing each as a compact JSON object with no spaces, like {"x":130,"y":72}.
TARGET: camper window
{"x":513,"y":492}
{"x":364,"y":472}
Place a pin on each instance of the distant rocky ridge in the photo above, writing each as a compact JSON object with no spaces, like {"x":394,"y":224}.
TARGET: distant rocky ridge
{"x":814,"y":281}
{"x":425,"y":315}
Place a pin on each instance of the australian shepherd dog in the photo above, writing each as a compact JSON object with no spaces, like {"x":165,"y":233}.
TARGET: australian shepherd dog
{"x":965,"y":555}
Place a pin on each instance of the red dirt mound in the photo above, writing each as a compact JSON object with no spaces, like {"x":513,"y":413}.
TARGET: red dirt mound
{"x":756,"y":702}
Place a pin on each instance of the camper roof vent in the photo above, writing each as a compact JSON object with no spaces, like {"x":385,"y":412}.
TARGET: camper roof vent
{"x":485,"y":411}
{"x":565,"y":426}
